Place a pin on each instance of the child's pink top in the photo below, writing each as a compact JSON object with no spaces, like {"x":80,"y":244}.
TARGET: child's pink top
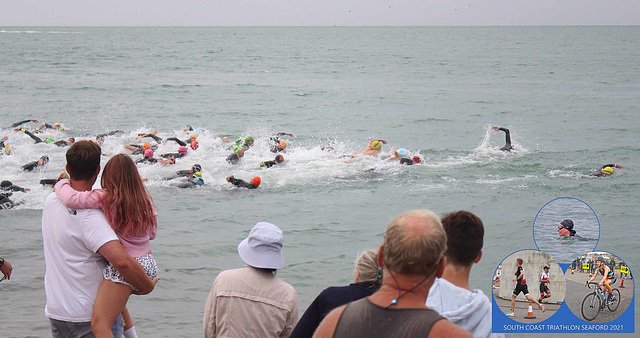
{"x":135,"y":246}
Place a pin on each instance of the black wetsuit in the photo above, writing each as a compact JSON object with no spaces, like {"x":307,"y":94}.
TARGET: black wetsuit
{"x":507,"y":146}
{"x":33,"y":137}
{"x":182,"y":143}
{"x":155,"y":137}
{"x":30,"y":166}
{"x":19,"y":123}
{"x":600,"y":173}
{"x":111,"y":133}
{"x":61,"y":143}
{"x":140,"y":151}
{"x":174,"y":155}
{"x":241,"y":183}
{"x":149,"y":160}
{"x":267,"y":164}
{"x":8,"y":186}
{"x":180,"y":173}
{"x":5,"y":202}
{"x":233,"y":158}
{"x":406,"y":161}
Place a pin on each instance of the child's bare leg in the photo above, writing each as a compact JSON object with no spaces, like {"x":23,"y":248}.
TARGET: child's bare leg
{"x":110,"y":303}
{"x":128,"y":323}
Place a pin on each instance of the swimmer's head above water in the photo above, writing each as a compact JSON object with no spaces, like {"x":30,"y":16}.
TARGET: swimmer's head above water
{"x":565,"y":228}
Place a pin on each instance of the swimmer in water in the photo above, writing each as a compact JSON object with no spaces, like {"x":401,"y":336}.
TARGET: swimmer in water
{"x":36,"y":164}
{"x":278,"y":144}
{"x":182,"y":151}
{"x":55,"y":126}
{"x":8,"y":186}
{"x":402,"y":155}
{"x":374,"y":147}
{"x":17,"y":124}
{"x":139,"y":149}
{"x":53,"y":181}
{"x":565,"y":229}
{"x":100,"y":137}
{"x":269,"y":164}
{"x":507,"y":146}
{"x":148,"y":158}
{"x":238,"y":153}
{"x":153,"y":134}
{"x":253,"y":184}
{"x":248,"y":142}
{"x":192,"y":182}
{"x":606,"y":170}
{"x":186,"y":173}
{"x":48,"y":140}
{"x":180,"y":142}
{"x":5,"y":202}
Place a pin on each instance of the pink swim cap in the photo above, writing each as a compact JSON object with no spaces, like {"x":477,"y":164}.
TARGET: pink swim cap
{"x":182,"y":150}
{"x":148,"y":153}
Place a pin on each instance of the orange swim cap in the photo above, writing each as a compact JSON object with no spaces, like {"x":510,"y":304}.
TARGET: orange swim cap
{"x":256,"y":181}
{"x":282,"y":145}
{"x":192,"y":137}
{"x":146,"y":146}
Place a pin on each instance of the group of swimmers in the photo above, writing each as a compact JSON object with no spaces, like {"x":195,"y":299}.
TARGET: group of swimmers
{"x":193,"y":178}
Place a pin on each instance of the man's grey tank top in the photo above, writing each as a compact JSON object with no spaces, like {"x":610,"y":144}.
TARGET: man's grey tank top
{"x":362,"y":318}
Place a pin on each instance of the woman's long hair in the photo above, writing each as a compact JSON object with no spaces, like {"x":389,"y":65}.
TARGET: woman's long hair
{"x":127,"y":205}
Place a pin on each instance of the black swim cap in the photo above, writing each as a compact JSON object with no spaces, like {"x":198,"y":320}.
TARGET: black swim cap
{"x":196,"y":168}
{"x":45,"y":158}
{"x":567,"y":223}
{"x":5,"y":184}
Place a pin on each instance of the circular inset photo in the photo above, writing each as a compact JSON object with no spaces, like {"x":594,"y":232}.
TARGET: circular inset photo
{"x":565,"y":228}
{"x":528,"y":287}
{"x":599,"y":287}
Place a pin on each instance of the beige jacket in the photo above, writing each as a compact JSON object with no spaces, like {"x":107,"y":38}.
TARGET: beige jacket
{"x":248,"y":302}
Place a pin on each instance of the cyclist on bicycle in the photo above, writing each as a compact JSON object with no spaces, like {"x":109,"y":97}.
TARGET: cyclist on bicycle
{"x":608,"y":277}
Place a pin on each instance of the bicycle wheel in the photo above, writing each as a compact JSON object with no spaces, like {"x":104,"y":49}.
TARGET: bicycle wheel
{"x":613,"y":305}
{"x":590,"y":306}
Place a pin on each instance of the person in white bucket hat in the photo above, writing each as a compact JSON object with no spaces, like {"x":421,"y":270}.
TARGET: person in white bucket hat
{"x":252,"y":301}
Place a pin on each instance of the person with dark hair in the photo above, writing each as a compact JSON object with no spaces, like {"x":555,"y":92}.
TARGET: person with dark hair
{"x":36,"y":164}
{"x":76,"y":243}
{"x":234,"y":158}
{"x":565,"y":229}
{"x":269,"y":164}
{"x":253,"y":184}
{"x":606,"y":170}
{"x":368,"y":276}
{"x":521,"y":286}
{"x":8,"y":186}
{"x":544,"y":284}
{"x":451,"y":296}
{"x":411,"y":257}
{"x":252,"y":301}
{"x":507,"y":135}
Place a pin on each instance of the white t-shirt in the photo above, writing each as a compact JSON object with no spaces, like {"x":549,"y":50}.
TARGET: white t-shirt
{"x":544,"y":275}
{"x":73,"y":267}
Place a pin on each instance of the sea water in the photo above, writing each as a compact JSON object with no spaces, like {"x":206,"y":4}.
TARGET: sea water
{"x":569,"y":95}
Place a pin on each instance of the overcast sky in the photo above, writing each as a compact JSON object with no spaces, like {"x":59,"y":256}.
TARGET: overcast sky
{"x":318,"y":12}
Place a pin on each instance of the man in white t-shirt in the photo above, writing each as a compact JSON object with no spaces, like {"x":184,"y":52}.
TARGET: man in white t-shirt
{"x":76,"y":243}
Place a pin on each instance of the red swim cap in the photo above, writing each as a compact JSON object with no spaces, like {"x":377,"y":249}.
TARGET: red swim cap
{"x":416,"y":159}
{"x":256,"y":181}
{"x":194,"y":145}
